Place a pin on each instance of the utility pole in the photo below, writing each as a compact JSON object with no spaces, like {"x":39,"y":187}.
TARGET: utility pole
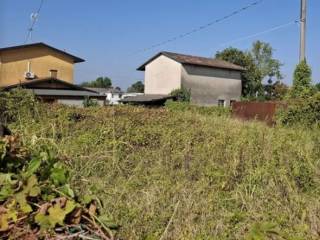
{"x":303,"y":30}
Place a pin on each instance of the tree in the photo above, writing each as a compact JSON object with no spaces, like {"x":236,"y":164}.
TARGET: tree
{"x":301,"y":81}
{"x":317,"y":87}
{"x":137,"y":87}
{"x":259,"y":64}
{"x":251,"y":78}
{"x":262,"y":54}
{"x":100,"y":82}
{"x":275,"y":91}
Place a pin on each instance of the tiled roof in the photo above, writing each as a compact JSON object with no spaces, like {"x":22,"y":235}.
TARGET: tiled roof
{"x":194,"y":60}
{"x":40,"y":44}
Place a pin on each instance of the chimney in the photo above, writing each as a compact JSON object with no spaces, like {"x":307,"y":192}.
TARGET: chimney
{"x":53,"y":73}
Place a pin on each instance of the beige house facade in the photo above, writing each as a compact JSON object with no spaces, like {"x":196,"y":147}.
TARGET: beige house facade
{"x":212,"y":82}
{"x":21,"y":63}
{"x":45,"y":71}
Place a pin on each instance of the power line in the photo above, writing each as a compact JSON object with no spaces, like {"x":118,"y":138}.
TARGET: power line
{"x":34,"y":18}
{"x":201,"y":28}
{"x":273,"y":29}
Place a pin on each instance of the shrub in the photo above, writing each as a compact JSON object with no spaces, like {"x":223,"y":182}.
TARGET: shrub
{"x":17,"y":104}
{"x":302,"y":81}
{"x":303,"y":111}
{"x":88,"y":102}
{"x":182,"y":94}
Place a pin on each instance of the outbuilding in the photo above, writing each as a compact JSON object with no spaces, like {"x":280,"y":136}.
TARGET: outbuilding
{"x":212,"y":82}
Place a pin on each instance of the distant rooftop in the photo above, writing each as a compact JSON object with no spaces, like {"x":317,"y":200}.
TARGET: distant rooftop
{"x":194,"y":60}
{"x":105,"y":90}
{"x":41,"y":44}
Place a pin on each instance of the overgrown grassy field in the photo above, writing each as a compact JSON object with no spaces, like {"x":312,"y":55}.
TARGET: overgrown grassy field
{"x":170,"y":174}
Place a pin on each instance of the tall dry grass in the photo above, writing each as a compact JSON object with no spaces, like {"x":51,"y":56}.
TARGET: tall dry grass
{"x":164,"y":174}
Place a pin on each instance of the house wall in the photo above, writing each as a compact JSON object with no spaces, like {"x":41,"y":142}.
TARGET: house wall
{"x":162,"y":75}
{"x":208,"y":85}
{"x":77,"y":102}
{"x":14,"y":63}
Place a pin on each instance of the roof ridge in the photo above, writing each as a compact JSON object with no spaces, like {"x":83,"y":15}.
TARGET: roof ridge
{"x":195,"y":60}
{"x":75,"y":58}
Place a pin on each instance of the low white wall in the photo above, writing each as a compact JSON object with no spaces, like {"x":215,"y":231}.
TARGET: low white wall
{"x":76,"y":102}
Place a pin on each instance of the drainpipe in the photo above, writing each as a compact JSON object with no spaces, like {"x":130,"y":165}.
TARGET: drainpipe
{"x":29,"y":66}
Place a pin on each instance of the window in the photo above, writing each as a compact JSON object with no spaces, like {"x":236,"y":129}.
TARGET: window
{"x":221,"y":102}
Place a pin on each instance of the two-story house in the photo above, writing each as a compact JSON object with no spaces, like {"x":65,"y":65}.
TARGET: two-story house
{"x":45,"y":70}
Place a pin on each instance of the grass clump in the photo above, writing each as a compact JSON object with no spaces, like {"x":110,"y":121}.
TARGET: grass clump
{"x":169,"y":173}
{"x":177,"y":107}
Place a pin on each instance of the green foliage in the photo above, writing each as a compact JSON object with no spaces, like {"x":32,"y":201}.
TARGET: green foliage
{"x":137,"y":87}
{"x":251,"y":78}
{"x":100,"y":82}
{"x":232,"y":179}
{"x":89,"y":102}
{"x":182,"y":94}
{"x":17,"y":103}
{"x":177,"y":107}
{"x":262,"y":54}
{"x":36,"y":190}
{"x":263,"y":231}
{"x":302,"y":81}
{"x":303,"y":112}
{"x":275,"y":91}
{"x":55,"y":215}
{"x":259,"y":64}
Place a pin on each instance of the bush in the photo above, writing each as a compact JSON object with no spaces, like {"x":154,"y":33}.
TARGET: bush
{"x":182,"y":94}
{"x":17,"y":104}
{"x":88,"y":102}
{"x":302,"y":81}
{"x":303,"y":111}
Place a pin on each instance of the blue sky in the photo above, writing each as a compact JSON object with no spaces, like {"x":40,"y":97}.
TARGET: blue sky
{"x":107,"y":32}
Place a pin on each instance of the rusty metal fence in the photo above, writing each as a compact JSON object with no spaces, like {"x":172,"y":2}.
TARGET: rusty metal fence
{"x":261,"y":111}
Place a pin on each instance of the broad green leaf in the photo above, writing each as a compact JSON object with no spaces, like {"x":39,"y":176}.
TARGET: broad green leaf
{"x":58,"y":175}
{"x":56,"y":215}
{"x":66,"y":189}
{"x":6,"y":178}
{"x":9,"y":215}
{"x":32,"y":189}
{"x":6,"y":192}
{"x":32,"y":167}
{"x":7,"y":186}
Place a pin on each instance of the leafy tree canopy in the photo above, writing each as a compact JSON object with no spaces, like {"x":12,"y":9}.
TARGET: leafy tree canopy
{"x":259,"y":64}
{"x":275,"y":91}
{"x":262,"y":54}
{"x":251,"y":79}
{"x":137,"y":87}
{"x":100,"y":82}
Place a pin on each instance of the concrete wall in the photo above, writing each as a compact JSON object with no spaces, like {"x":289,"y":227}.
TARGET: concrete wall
{"x":162,"y":76}
{"x":77,"y":102}
{"x":208,"y":85}
{"x":14,"y":63}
